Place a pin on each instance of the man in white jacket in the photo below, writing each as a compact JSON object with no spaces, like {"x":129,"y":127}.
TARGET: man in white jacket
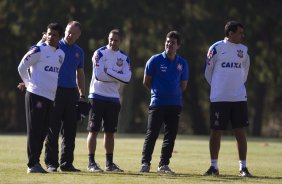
{"x":39,"y":70}
{"x":111,"y":68}
{"x":227,"y":67}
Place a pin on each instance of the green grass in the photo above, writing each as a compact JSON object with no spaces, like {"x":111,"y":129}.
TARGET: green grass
{"x":190,"y":159}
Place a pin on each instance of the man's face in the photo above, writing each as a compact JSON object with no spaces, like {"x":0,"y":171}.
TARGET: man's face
{"x":238,"y":36}
{"x":53,"y":37}
{"x":171,"y":45}
{"x":114,"y":41}
{"x":72,"y":33}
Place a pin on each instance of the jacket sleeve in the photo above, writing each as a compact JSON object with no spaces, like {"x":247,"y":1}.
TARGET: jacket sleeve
{"x":209,"y":65}
{"x":246,"y":66}
{"x":29,"y":59}
{"x":122,"y":75}
{"x":99,"y":68}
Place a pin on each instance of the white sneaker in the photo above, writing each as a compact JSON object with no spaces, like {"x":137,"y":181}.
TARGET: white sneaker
{"x":94,"y":167}
{"x":165,"y":169}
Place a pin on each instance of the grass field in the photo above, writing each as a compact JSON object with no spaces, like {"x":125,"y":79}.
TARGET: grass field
{"x":190,"y":160}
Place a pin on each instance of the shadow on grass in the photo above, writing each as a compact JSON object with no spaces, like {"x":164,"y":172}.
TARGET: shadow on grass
{"x":220,"y":178}
{"x":229,"y":178}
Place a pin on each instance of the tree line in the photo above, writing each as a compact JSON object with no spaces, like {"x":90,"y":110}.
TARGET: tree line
{"x":144,"y":25}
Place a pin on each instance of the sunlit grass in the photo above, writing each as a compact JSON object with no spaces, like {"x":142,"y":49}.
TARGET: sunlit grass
{"x":190,"y":160}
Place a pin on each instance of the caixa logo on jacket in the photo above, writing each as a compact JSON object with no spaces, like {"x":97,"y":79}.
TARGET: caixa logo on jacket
{"x":230,"y":65}
{"x":51,"y":69}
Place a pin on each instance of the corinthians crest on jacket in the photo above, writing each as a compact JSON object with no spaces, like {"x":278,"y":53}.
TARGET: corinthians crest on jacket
{"x":240,"y":53}
{"x":119,"y":62}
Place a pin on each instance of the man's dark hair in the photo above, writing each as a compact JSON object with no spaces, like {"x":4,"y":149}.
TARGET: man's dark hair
{"x":232,"y":26}
{"x":176,"y":35}
{"x":57,"y":27}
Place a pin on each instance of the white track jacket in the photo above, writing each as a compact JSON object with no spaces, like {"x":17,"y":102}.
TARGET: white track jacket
{"x":227,"y":67}
{"x":110,"y":69}
{"x":39,"y":70}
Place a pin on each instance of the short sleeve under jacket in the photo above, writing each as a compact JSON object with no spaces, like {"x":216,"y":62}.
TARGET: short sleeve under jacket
{"x":74,"y":59}
{"x":166,"y":79}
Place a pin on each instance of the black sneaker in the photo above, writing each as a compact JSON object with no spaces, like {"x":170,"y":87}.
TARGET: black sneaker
{"x":145,"y":168}
{"x":69,"y":169}
{"x":37,"y":168}
{"x":244,"y":172}
{"x":113,"y":168}
{"x":211,"y":172}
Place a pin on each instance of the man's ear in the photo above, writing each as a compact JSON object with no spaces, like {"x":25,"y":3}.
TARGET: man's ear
{"x":231,"y":33}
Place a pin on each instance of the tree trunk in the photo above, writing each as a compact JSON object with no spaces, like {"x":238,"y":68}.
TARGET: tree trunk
{"x":259,"y":109}
{"x":198,"y":119}
{"x":127,"y":109}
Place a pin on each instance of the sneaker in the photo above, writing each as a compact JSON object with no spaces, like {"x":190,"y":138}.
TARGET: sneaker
{"x":165,"y":169}
{"x":70,"y":168}
{"x":52,"y":169}
{"x":37,"y":168}
{"x":113,"y":168}
{"x":145,"y":168}
{"x":244,"y":172}
{"x":211,"y":172}
{"x":94,"y":167}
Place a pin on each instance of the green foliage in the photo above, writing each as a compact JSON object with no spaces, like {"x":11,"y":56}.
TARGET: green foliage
{"x":144,"y":25}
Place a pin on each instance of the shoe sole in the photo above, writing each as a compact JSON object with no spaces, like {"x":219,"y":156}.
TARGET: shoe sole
{"x":35,"y":172}
{"x":245,"y":175}
{"x":40,"y":172}
{"x":163,"y":172}
{"x":210,"y":174}
{"x":52,"y":170}
{"x":94,"y":171}
{"x":113,"y":171}
{"x":69,"y":171}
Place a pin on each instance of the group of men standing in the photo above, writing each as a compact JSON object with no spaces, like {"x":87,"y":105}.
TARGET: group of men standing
{"x":53,"y":76}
